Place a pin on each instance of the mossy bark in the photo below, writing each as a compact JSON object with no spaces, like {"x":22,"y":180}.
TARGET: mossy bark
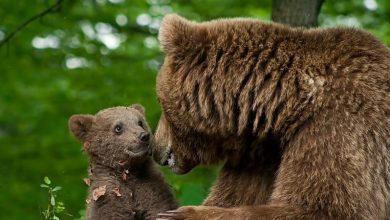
{"x":296,"y":13}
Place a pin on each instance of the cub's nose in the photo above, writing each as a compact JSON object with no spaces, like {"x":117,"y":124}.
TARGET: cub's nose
{"x":144,"y":137}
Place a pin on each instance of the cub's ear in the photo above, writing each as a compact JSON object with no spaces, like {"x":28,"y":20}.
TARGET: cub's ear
{"x":139,"y":108}
{"x":80,"y":125}
{"x":178,"y":35}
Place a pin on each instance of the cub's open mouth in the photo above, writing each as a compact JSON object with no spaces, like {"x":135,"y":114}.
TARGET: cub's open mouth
{"x":140,"y":151}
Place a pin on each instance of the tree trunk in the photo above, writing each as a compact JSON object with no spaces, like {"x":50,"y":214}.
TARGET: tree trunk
{"x":296,"y":13}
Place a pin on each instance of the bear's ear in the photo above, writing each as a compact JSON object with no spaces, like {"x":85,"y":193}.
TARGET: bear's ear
{"x":178,"y":35}
{"x":80,"y":125}
{"x":139,"y":108}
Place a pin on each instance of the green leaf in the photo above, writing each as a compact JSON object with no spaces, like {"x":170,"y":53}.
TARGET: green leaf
{"x":46,"y":214}
{"x":44,"y":186}
{"x":52,"y":201}
{"x":60,"y":207}
{"x":57,"y":188}
{"x":55,"y":218}
{"x":47,"y":180}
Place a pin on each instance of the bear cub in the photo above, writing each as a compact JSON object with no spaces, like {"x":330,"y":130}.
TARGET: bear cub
{"x":123,"y":181}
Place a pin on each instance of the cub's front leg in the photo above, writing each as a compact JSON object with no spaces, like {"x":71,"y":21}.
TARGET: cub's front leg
{"x":109,"y":205}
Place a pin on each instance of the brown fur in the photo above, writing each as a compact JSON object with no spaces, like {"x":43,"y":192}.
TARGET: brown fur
{"x":301,"y":117}
{"x":120,"y":162}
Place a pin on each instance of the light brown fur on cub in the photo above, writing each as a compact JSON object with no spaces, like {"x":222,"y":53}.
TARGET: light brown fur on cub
{"x":301,"y":116}
{"x":124,"y":184}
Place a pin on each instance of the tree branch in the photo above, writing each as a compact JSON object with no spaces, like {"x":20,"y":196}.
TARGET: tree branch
{"x":51,"y":9}
{"x":296,"y":13}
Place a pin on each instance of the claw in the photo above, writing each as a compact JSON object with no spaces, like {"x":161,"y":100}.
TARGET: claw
{"x":165,"y":215}
{"x":169,"y":215}
{"x":174,"y":211}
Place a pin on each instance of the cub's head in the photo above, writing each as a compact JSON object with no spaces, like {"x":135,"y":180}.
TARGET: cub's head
{"x":114,"y":137}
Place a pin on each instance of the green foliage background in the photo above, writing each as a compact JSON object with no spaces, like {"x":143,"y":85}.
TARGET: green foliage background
{"x":65,"y":63}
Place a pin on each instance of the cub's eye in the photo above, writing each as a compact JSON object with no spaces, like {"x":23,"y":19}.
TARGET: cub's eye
{"x":140,"y":123}
{"x":118,"y":129}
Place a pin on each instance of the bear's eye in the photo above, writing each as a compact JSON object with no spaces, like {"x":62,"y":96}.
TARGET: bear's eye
{"x":118,"y":129}
{"x":141,"y":124}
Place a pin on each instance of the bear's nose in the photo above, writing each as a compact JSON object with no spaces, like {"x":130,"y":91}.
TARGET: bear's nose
{"x":144,"y":136}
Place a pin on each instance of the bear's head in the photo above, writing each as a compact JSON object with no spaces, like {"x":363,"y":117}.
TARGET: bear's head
{"x":183,"y":141}
{"x":114,"y":137}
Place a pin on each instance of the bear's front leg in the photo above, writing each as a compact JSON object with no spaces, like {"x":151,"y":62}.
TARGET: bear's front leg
{"x":194,"y":213}
{"x":262,"y":212}
{"x":245,"y":184}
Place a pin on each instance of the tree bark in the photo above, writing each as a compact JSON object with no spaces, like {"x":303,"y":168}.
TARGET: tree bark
{"x":296,"y":13}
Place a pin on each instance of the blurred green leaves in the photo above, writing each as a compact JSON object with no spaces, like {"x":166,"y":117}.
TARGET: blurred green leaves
{"x":372,"y":15}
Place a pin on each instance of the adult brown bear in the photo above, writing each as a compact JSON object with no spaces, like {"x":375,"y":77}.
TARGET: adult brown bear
{"x":300,"y":117}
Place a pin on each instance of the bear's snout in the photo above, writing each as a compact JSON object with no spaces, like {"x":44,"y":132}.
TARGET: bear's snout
{"x":144,"y":137}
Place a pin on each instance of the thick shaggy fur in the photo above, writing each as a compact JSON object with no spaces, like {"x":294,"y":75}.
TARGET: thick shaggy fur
{"x":301,"y":118}
{"x":124,"y":184}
